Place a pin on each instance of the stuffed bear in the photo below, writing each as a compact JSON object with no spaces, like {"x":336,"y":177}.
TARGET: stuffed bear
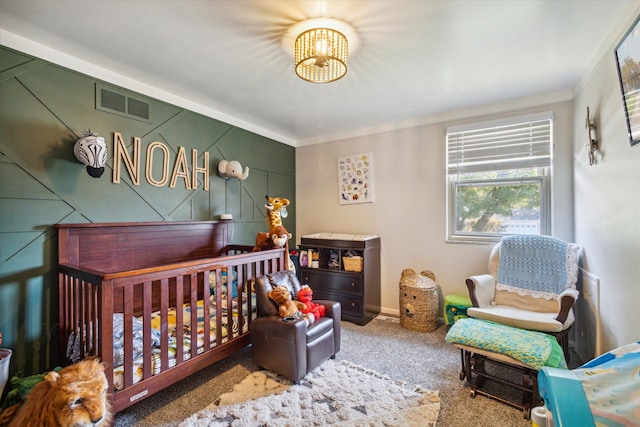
{"x":288,"y":308}
{"x":305,"y":295}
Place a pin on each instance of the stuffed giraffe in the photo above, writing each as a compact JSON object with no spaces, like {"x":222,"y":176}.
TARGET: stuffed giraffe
{"x":276,"y":210}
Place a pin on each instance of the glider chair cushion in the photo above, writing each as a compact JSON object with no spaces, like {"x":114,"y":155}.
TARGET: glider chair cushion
{"x":531,"y":284}
{"x":290,"y":347}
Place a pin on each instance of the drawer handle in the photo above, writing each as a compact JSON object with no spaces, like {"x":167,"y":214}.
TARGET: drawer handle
{"x":353,"y":304}
{"x":353,"y":284}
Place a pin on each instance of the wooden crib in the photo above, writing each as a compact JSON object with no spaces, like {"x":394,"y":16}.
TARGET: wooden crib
{"x":138,"y":295}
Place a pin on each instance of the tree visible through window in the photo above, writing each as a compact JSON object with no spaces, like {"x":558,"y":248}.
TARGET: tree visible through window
{"x":498,"y":178}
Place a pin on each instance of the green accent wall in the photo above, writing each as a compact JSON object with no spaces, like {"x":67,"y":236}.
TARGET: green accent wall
{"x":44,"y":109}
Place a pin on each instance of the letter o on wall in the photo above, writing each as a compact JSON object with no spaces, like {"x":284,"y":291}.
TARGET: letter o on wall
{"x":165,"y":164}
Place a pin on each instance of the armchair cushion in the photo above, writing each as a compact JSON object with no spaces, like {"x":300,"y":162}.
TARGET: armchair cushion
{"x":506,"y":296}
{"x":524,"y":319}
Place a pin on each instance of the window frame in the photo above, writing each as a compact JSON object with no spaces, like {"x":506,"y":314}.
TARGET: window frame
{"x":543,"y":179}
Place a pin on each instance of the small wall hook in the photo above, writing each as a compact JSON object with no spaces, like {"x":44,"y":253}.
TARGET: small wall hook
{"x":592,"y":142}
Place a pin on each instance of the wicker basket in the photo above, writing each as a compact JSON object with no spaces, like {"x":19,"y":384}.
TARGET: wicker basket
{"x":353,"y":263}
{"x":419,"y":307}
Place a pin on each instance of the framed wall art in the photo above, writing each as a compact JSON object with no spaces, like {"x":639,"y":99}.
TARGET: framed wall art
{"x":355,"y":179}
{"x":628,"y":64}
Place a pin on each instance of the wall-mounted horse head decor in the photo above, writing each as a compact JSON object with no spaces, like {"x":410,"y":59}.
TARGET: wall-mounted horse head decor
{"x":91,"y":151}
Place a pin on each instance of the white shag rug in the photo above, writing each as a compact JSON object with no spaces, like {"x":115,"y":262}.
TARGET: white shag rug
{"x":334,"y":394}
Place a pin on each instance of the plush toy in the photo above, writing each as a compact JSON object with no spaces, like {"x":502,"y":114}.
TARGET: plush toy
{"x":288,"y":308}
{"x":223,"y":282}
{"x":232,"y":169}
{"x":305,"y":295}
{"x":276,"y":210}
{"x":276,"y":238}
{"x":73,"y":396}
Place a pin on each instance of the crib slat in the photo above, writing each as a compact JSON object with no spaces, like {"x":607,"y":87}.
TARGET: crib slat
{"x":128,"y":335}
{"x":179,"y":320}
{"x":193,"y":304}
{"x":146,"y":324}
{"x":94,"y":316}
{"x":105,"y":323}
{"x":164,"y":328}
{"x":77,"y":321}
{"x":218,"y":298}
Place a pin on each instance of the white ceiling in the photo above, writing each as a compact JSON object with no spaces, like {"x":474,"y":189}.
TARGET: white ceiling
{"x":416,"y":59}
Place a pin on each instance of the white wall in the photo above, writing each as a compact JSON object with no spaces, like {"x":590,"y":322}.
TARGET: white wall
{"x":409,"y":190}
{"x":607,"y":201}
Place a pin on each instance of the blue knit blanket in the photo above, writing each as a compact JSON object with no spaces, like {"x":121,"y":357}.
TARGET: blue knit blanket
{"x":537,"y":263}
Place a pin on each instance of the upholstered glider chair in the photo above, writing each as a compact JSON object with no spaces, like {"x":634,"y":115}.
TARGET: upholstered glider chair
{"x":531,"y":285}
{"x":290,"y":347}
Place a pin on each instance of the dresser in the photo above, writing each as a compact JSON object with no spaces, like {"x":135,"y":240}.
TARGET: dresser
{"x":344,"y":268}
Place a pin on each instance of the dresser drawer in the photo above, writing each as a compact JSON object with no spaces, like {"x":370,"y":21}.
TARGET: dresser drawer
{"x":339,"y":282}
{"x":350,"y":305}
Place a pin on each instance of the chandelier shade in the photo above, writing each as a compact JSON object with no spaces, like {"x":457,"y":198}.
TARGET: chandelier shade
{"x":321,"y":55}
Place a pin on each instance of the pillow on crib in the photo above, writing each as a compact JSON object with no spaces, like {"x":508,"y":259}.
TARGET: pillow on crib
{"x":519,"y":298}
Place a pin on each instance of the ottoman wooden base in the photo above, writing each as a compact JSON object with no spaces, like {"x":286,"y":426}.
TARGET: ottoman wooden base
{"x":474,"y":361}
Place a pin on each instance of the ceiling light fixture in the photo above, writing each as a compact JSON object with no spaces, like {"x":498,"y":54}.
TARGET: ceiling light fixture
{"x":320,"y":48}
{"x":321,"y":55}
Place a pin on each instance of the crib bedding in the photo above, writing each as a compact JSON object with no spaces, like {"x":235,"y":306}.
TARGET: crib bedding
{"x":73,"y":352}
{"x":172,"y":335}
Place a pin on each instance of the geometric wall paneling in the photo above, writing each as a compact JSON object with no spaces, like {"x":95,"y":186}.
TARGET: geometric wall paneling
{"x":12,"y":243}
{"x":28,"y":308}
{"x":44,"y":109}
{"x":252,"y":202}
{"x":217,"y":189}
{"x":75,"y":218}
{"x":11,"y":59}
{"x":24,"y":215}
{"x":232,"y":195}
{"x":193,"y":131}
{"x":246,"y":234}
{"x":273,"y":156}
{"x":194,"y":208}
{"x":72,"y":96}
{"x":35,"y":137}
{"x":24,"y":185}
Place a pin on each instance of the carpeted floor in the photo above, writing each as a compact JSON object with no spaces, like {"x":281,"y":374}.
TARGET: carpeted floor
{"x":417,"y":358}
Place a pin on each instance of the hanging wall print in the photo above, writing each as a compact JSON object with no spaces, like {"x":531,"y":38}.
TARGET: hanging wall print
{"x":355,"y":179}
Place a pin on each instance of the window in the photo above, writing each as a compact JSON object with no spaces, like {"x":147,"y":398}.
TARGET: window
{"x":498,"y":178}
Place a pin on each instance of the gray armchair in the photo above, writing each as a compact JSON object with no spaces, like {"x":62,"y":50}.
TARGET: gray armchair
{"x":290,"y":347}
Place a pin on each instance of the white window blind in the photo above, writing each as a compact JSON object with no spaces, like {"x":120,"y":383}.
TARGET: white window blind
{"x":519,"y":143}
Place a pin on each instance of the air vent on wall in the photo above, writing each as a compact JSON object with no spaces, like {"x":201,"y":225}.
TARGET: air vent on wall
{"x":121,"y":103}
